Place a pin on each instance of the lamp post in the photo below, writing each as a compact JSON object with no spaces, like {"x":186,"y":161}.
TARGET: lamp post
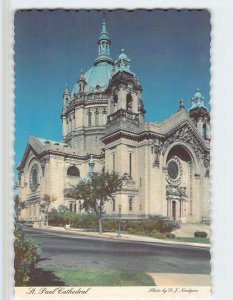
{"x":119,"y":224}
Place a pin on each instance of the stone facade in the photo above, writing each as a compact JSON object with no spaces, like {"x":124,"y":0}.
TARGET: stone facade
{"x":166,"y":163}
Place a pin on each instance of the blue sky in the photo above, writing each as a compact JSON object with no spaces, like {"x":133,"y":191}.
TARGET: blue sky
{"x":169,"y":51}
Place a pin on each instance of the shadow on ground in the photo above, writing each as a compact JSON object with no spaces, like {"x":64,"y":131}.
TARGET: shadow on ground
{"x":42,"y":277}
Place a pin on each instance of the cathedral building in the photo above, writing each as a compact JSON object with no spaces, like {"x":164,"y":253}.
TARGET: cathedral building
{"x":103,"y":129}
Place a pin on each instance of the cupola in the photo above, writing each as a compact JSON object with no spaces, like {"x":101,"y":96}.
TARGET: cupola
{"x":122,"y":63}
{"x":66,"y":95}
{"x":198,"y":100}
{"x":81,"y":82}
{"x":200,"y":115}
{"x":104,"y":44}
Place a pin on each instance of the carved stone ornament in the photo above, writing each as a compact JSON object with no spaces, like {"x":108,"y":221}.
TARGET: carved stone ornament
{"x":174,"y":171}
{"x":156,"y":150}
{"x":176,"y":191}
{"x":207,"y":160}
{"x":207,"y":163}
{"x":20,"y":176}
{"x":186,"y":135}
{"x":127,"y":181}
{"x":43,"y":162}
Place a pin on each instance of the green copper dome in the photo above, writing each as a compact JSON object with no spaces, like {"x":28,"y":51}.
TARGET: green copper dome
{"x":98,"y":76}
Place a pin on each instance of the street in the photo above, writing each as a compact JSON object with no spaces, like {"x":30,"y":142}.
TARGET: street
{"x":75,"y":251}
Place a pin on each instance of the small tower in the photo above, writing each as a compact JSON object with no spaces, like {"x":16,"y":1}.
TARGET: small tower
{"x":200,"y":115}
{"x":81,"y":82}
{"x":104,"y":44}
{"x":104,"y":41}
{"x":66,"y":96}
{"x":123,"y":63}
{"x":125,"y":91}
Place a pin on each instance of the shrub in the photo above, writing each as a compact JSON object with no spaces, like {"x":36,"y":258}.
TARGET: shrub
{"x":149,"y":225}
{"x":167,"y":225}
{"x":161,"y":225}
{"x":170,"y":235}
{"x":87,"y":221}
{"x":131,"y":230}
{"x":54,"y":217}
{"x":200,"y":234}
{"x":140,"y":232}
{"x":26,"y":256}
{"x":157,"y":235}
{"x":110,"y":225}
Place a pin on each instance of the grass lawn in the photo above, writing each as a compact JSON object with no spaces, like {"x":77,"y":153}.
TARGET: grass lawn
{"x":192,"y":240}
{"x":77,"y":277}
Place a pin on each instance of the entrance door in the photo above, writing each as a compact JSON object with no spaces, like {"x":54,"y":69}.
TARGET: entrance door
{"x":174,"y":210}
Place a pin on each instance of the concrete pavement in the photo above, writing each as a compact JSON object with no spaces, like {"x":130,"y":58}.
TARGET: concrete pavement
{"x":173,"y":279}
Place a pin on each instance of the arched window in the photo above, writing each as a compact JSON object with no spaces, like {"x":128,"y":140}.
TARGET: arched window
{"x":71,"y":206}
{"x":97,"y":119}
{"x":115,"y":101}
{"x":204,"y":131}
{"x":89,"y":119}
{"x":129,"y":102}
{"x":104,"y":117}
{"x":130,"y":198}
{"x":73,"y":171}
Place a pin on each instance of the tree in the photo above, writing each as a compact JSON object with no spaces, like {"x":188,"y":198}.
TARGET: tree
{"x":46,"y":201}
{"x":26,"y":256}
{"x":65,"y":214}
{"x":19,"y":205}
{"x":95,"y":191}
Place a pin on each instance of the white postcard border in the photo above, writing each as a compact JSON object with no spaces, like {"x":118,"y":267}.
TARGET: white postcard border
{"x":221,"y":109}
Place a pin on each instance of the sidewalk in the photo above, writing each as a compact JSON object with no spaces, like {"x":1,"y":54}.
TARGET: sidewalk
{"x":126,"y":237}
{"x":173,"y":279}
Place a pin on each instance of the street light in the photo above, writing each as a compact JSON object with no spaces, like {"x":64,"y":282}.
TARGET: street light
{"x":119,"y":224}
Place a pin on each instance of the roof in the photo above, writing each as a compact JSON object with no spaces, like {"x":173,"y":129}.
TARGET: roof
{"x":41,"y":147}
{"x":97,"y":77}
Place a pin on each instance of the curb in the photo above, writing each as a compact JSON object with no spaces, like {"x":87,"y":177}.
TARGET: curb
{"x":133,"y":238}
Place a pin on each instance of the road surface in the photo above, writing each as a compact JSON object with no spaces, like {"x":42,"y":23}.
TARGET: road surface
{"x":73,"y":251}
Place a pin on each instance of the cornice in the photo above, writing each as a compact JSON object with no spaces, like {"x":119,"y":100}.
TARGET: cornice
{"x":83,"y":103}
{"x":146,"y":135}
{"x":50,"y":152}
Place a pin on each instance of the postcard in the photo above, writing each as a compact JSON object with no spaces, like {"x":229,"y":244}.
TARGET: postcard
{"x":112,"y":154}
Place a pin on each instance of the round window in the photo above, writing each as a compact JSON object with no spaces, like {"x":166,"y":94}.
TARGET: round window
{"x":173,"y":169}
{"x":34,"y":177}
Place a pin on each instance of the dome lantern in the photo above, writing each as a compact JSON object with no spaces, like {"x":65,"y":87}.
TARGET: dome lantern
{"x":104,"y":41}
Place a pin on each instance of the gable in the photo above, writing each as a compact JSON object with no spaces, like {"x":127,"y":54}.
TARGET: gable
{"x":29,"y":154}
{"x":187,"y":133}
